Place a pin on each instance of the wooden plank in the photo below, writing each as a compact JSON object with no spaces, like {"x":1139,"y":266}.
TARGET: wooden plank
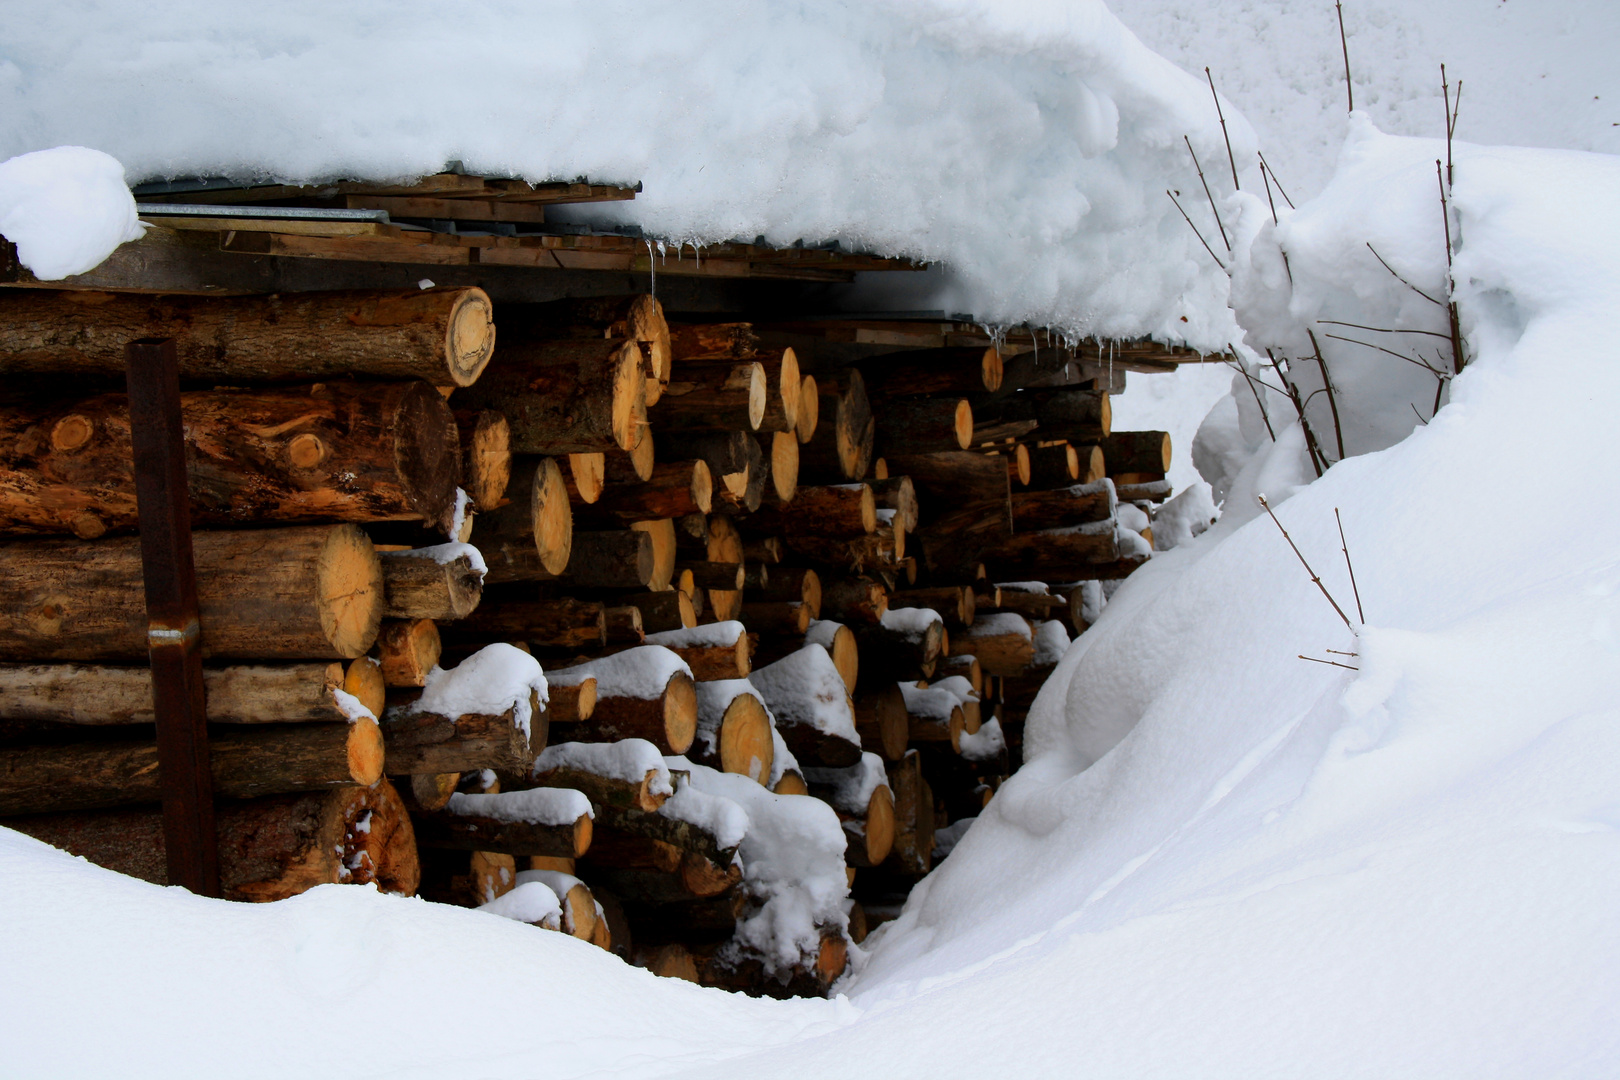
{"x":173,"y":634}
{"x":267,"y":225}
{"x":458,"y":209}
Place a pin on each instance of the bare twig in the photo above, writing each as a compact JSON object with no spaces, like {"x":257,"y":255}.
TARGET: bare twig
{"x":1311,"y":449}
{"x":1230,"y":160}
{"x":1196,"y":233}
{"x":1330,"y":663}
{"x":1451,"y":302}
{"x":1419,"y":415}
{"x":1383,"y":329}
{"x":1360,"y":615}
{"x":1424,"y":364}
{"x":1327,"y":383}
{"x":1349,"y":89}
{"x":1341,"y":652}
{"x":1276,"y":181}
{"x":1253,"y":390}
{"x":1218,"y":223}
{"x":1266,"y":180}
{"x":1403,"y":281}
{"x":1315,"y":580}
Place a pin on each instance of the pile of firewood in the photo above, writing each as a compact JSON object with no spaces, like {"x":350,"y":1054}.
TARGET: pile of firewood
{"x":789,"y":608}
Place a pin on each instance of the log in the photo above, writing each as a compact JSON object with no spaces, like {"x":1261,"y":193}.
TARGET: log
{"x":792,"y":583}
{"x":724,"y":545}
{"x":621,"y":559}
{"x":782,"y":460}
{"x":965,"y":665}
{"x":661,"y":532}
{"x":530,"y":538}
{"x":675,"y":489}
{"x":685,"y":835}
{"x":834,"y":511}
{"x":897,"y":649}
{"x":460,"y":827}
{"x":623,"y":625}
{"x":883,"y":723}
{"x":714,"y":575}
{"x":246,"y":762}
{"x":444,"y":336}
{"x":783,"y":383}
{"x":637,"y":318}
{"x":1054,"y":466}
{"x":430,"y":791}
{"x":711,"y":919}
{"x":430,"y":583}
{"x":840,"y":448}
{"x":567,"y":397}
{"x":423,"y":742}
{"x":727,"y":454}
{"x":1059,"y":508}
{"x":364,"y":682}
{"x":664,"y":611}
{"x":812,"y":977}
{"x":933,"y":716}
{"x":897,"y":494}
{"x":573,"y":703}
{"x":486,"y":456}
{"x":1003,"y":644}
{"x":647,"y":872}
{"x":607,"y":793}
{"x":668,"y":720}
{"x":920,"y":372}
{"x":841,"y":644}
{"x":1017,"y":459}
{"x":342,"y":452}
{"x":964,"y":506}
{"x":1061,"y":554}
{"x":714,"y":397}
{"x":278,"y":594}
{"x":923,"y":426}
{"x":1079,"y":416}
{"x":1033,"y":606}
{"x":101,"y":695}
{"x":813,"y":712}
{"x":558,"y":623}
{"x":854,"y":600}
{"x":712,"y":341}
{"x":912,"y":854}
{"x":734,"y":732}
{"x":791,"y":783}
{"x":956,"y":604}
{"x":1149,"y":491}
{"x":711,"y":657}
{"x":869,"y":836}
{"x":586,"y":475}
{"x":809,"y":418}
{"x":269,"y":848}
{"x":1137,"y":452}
{"x":777,"y":617}
{"x":764,"y":550}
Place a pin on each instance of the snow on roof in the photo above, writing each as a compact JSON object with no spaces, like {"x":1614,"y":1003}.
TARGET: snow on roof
{"x":1027,"y":147}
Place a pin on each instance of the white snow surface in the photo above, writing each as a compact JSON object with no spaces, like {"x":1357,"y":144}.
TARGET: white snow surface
{"x":804,"y":687}
{"x":489,"y":682}
{"x":717,"y":815}
{"x":629,"y":760}
{"x":852,"y":788}
{"x":66,"y":208}
{"x":930,"y":703}
{"x":782,"y":759}
{"x":708,"y":634}
{"x":997,"y":623}
{"x":984,"y":744}
{"x":1051,"y":642}
{"x":642,"y":672}
{"x":536,"y":806}
{"x":1026,"y":146}
{"x":527,"y":902}
{"x":913,"y":622}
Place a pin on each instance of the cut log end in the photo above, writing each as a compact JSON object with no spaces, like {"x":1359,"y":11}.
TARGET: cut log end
{"x":804,"y":425}
{"x":486,"y":464}
{"x":629,"y":405}
{"x":702,"y":487}
{"x":553,"y":518}
{"x":962,"y":425}
{"x":365,"y":751}
{"x":364,"y":682}
{"x":791,"y":783}
{"x":991,"y":369}
{"x":784,"y":465}
{"x":879,"y":825}
{"x":589,"y":474}
{"x":469,"y":338}
{"x":349,"y":582}
{"x":662,"y":532}
{"x":746,"y":746}
{"x":680,"y":712}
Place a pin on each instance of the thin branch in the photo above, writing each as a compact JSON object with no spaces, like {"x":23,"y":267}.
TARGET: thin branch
{"x":1419,"y":415}
{"x":1403,"y":281}
{"x":1333,"y":401}
{"x":1360,"y":616}
{"x":1250,"y":378}
{"x":1207,"y":195}
{"x":1311,"y":449}
{"x":1383,"y":329}
{"x":1330,"y":663}
{"x":1424,"y":364}
{"x":1196,"y":233}
{"x":1230,"y":160}
{"x":1349,"y":89}
{"x":1276,"y":181}
{"x":1317,"y":581}
{"x":1451,"y":301}
{"x":1264,"y":179}
{"x":1340,"y":652}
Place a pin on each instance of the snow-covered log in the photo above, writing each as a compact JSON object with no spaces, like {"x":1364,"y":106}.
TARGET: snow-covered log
{"x":735,"y":733}
{"x":441,"y":583}
{"x":642,"y":693}
{"x":538,"y":821}
{"x":805,"y":693}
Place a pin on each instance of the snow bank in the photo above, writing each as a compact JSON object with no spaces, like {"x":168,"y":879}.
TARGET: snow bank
{"x":489,"y":682}
{"x":642,"y":672}
{"x":804,"y":687}
{"x":1028,"y":148}
{"x":536,"y":806}
{"x":793,"y":870}
{"x":66,"y":209}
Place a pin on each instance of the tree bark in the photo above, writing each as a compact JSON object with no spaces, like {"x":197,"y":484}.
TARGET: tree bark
{"x":99,"y":695}
{"x":1137,"y":452}
{"x":784,"y":384}
{"x":897,"y":493}
{"x":344,"y":452}
{"x":621,"y":559}
{"x":444,"y":336}
{"x":486,"y":456}
{"x":1080,"y":416}
{"x":999,"y":651}
{"x":530,"y":538}
{"x":924,"y":426}
{"x":854,"y":600}
{"x":568,"y":396}
{"x":883,"y":723}
{"x":661,"y":611}
{"x":964,"y":502}
{"x":919,"y":372}
{"x":836,"y":511}
{"x":891,"y":655}
{"x":676,"y":489}
{"x":419,"y":586}
{"x":470,"y":832}
{"x":1059,"y":508}
{"x":558,"y":623}
{"x":729,"y":396}
{"x":956,"y":604}
{"x":277,"y":594}
{"x":1054,"y":466}
{"x":428,"y":743}
{"x":912,"y":854}
{"x":638,"y":318}
{"x":246,"y":762}
{"x":1061,"y":555}
{"x":607,"y":793}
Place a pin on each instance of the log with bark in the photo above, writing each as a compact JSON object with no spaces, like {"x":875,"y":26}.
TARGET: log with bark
{"x":896,"y":493}
{"x":854,"y":601}
{"x":307,"y":592}
{"x":445,"y":336}
{"x":1078,"y":416}
{"x":964,"y":502}
{"x":618,"y":559}
{"x":531,"y":537}
{"x":341,"y":452}
{"x":639,"y":319}
{"x":1056,"y":554}
{"x":840,"y":447}
{"x":675,"y":489}
{"x":923,"y":426}
{"x":423,"y":742}
{"x":912,"y":854}
{"x":245,"y":761}
{"x":560,"y":623}
{"x":883,"y":722}
{"x":956,"y":604}
{"x":486,"y":456}
{"x":931,"y":372}
{"x":567,"y":396}
{"x":712,"y":341}
{"x":903,"y":646}
{"x":714,"y":652}
{"x":933,"y":716}
{"x":784,"y":384}
{"x":440,"y":583}
{"x":1054,"y":465}
{"x":623,"y":624}
{"x":511,"y":823}
{"x":1137,"y":452}
{"x":1004,"y":644}
{"x":667,"y":718}
{"x":1059,"y":508}
{"x":813,"y":712}
{"x":407,"y":649}
{"x":733,"y":731}
{"x":727,"y":396}
{"x":833,"y":511}
{"x":663,"y":611}
{"x":269,"y":848}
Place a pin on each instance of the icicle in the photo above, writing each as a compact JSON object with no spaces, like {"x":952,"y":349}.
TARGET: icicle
{"x":652,"y":269}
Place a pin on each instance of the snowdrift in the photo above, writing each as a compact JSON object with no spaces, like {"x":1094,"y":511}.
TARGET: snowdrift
{"x":1026,"y":147}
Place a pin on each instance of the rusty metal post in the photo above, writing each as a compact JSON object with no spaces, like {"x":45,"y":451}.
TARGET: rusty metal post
{"x":173,"y":638}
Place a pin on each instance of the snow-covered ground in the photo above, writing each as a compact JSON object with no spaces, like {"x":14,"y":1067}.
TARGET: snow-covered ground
{"x":1221,"y":860}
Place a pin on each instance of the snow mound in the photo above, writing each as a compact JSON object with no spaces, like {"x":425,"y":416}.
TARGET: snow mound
{"x":642,"y":672}
{"x":489,"y":682}
{"x":66,"y":209}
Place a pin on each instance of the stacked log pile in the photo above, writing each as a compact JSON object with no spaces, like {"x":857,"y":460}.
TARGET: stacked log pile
{"x":762,"y":588}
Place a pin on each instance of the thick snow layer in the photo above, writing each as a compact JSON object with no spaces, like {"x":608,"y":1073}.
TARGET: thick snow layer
{"x":996,"y":623}
{"x":536,"y":806}
{"x":958,"y":685}
{"x":1051,"y":642}
{"x":1027,"y":146}
{"x":822,"y":632}
{"x":709,"y":634}
{"x":793,"y":870}
{"x":929,"y":703}
{"x":852,"y":788}
{"x":65,"y":208}
{"x":642,"y":672}
{"x":913,"y":622}
{"x":804,"y":687}
{"x":1183,"y":517}
{"x":528,"y":902}
{"x":717,"y":815}
{"x":984,"y":744}
{"x":489,"y":682}
{"x":629,"y":760}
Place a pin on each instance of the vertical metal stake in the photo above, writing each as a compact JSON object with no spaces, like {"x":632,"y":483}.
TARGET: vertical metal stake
{"x":173,"y":639}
